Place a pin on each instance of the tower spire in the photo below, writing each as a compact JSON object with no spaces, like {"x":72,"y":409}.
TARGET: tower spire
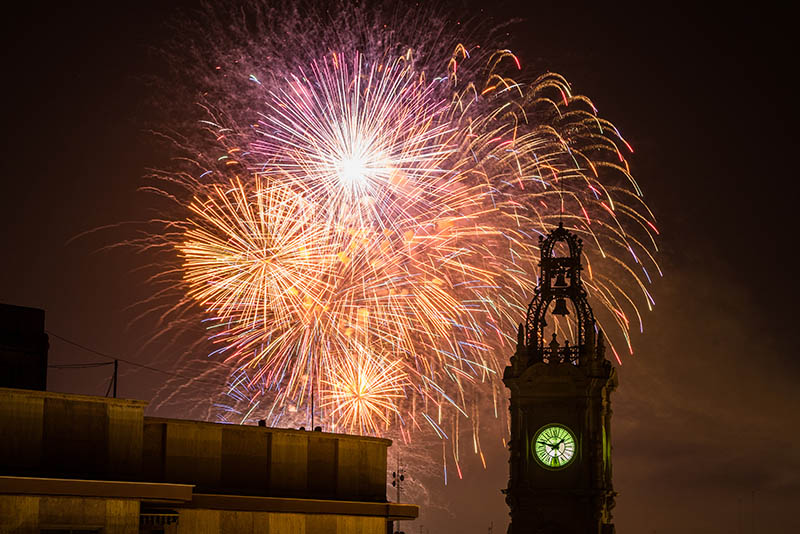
{"x":559,"y":285}
{"x":560,"y":409}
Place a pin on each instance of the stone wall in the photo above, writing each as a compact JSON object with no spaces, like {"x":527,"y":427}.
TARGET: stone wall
{"x":25,"y":514}
{"x":56,"y":434}
{"x":264,"y":461}
{"x":230,"y":522}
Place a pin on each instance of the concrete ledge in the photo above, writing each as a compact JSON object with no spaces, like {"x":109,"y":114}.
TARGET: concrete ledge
{"x":181,"y":495}
{"x":270,"y":429}
{"x":144,"y":491}
{"x":391,"y":511}
{"x":71,"y":397}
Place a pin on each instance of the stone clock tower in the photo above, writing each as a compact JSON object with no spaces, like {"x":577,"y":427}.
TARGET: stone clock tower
{"x":561,"y":384}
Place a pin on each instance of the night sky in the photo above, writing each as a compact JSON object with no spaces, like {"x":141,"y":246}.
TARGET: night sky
{"x":706,"y":432}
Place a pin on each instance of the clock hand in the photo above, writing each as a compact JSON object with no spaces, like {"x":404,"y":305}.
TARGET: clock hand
{"x":552,"y":447}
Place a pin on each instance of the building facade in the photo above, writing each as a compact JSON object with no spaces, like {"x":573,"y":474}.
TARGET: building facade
{"x":23,"y":348}
{"x":84,"y":464}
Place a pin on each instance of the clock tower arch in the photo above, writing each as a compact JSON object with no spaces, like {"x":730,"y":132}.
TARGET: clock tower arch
{"x":560,"y":412}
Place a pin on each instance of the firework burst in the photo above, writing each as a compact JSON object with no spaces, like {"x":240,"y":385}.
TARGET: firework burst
{"x":363,"y":220}
{"x":362,"y":392}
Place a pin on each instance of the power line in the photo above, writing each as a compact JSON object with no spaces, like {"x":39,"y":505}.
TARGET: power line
{"x":80,"y":365}
{"x":112,"y":358}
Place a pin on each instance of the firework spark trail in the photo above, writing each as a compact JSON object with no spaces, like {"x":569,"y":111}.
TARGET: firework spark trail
{"x":365,"y":228}
{"x":362,"y":391}
{"x":350,"y":136}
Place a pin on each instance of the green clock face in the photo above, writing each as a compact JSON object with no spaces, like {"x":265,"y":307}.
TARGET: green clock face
{"x":554,"y":446}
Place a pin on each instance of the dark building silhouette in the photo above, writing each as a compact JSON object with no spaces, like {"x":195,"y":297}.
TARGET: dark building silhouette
{"x":561,"y":384}
{"x":77,"y":463}
{"x":23,"y":348}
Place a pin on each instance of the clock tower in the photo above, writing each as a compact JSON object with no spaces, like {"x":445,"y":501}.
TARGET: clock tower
{"x":561,"y":384}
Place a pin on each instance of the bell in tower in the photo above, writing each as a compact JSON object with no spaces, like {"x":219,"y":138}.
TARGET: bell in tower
{"x":560,"y":412}
{"x":561,"y":307}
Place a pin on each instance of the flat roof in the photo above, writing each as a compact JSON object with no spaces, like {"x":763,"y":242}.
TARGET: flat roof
{"x":73,"y":397}
{"x":148,"y":491}
{"x":255,"y":428}
{"x":21,"y":319}
{"x":149,"y":419}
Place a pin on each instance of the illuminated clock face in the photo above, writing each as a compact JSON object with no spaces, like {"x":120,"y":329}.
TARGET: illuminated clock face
{"x":554,"y":446}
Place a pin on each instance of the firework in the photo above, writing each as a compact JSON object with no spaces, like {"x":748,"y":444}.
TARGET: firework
{"x":363,"y":220}
{"x":362,"y":391}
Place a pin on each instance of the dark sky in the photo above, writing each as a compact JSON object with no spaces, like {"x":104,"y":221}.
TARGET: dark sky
{"x":706,"y":428}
